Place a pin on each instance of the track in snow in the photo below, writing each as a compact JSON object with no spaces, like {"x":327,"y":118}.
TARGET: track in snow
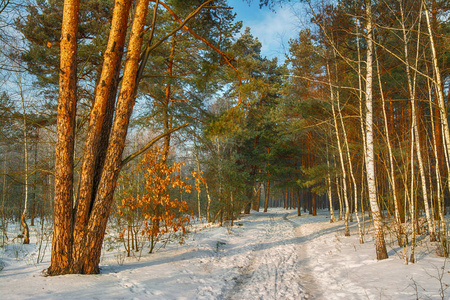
{"x":276,"y":264}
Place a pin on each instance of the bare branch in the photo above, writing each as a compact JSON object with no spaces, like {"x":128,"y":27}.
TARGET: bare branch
{"x":151,"y":143}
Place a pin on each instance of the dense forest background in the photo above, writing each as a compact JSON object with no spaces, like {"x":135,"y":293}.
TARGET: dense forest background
{"x":354,"y":120}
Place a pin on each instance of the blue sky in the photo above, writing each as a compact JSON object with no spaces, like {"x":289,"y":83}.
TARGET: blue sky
{"x":272,"y":28}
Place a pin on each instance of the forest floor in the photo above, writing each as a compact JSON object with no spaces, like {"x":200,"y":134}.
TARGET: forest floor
{"x":274,"y":255}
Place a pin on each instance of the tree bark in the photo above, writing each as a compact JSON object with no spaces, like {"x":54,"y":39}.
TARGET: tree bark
{"x":370,"y":157}
{"x":62,"y":220}
{"x":167,"y":122}
{"x":23,"y":218}
{"x":341,"y":158}
{"x":411,"y":90}
{"x":105,"y":95}
{"x":443,"y":110}
{"x":439,"y":188}
{"x":87,"y":253}
{"x":208,"y":207}
{"x":329,"y":192}
{"x":257,"y":197}
{"x":266,"y":199}
{"x":391,"y":173}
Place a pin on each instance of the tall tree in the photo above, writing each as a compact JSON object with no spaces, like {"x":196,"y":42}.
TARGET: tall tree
{"x":78,"y":238}
{"x":61,"y":260}
{"x":370,"y":155}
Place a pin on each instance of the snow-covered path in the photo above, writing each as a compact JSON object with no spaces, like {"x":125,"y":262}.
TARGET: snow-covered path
{"x":274,"y":255}
{"x":265,"y":253}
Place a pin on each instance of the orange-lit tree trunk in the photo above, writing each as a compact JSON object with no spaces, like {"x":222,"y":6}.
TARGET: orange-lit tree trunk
{"x":257,"y":196}
{"x":76,"y":247}
{"x":87,"y":253}
{"x":267,"y":188}
{"x":100,"y":119}
{"x":79,"y":230}
{"x":65,"y":130}
{"x":267,"y":195}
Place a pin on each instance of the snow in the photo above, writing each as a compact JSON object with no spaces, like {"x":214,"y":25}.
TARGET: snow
{"x":274,"y":255}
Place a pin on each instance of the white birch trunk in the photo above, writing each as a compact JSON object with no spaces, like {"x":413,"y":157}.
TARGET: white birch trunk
{"x":23,"y":218}
{"x":370,"y":155}
{"x":361,"y":115}
{"x":330,"y":199}
{"x":341,"y":158}
{"x":4,"y":225}
{"x":391,"y":173}
{"x":338,"y":191}
{"x":439,"y":188}
{"x":352,"y":176}
{"x":208,"y":207}
{"x":438,"y":85}
{"x":415,"y":126}
{"x":412,"y":206}
{"x":198,"y":193}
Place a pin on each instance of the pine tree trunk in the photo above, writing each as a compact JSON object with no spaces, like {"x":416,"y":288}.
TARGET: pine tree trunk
{"x":266,"y":199}
{"x":87,"y":253}
{"x":257,"y":197}
{"x":80,"y":253}
{"x":100,"y":119}
{"x":314,"y":204}
{"x":167,"y":124}
{"x":62,"y":220}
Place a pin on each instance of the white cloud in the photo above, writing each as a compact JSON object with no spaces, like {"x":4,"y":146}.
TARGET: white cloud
{"x":274,"y":29}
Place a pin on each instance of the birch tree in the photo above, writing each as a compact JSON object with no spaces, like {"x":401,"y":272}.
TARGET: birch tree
{"x":23,"y":218}
{"x":411,"y":90}
{"x":341,"y":159}
{"x":438,"y":86}
{"x":370,"y":159}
